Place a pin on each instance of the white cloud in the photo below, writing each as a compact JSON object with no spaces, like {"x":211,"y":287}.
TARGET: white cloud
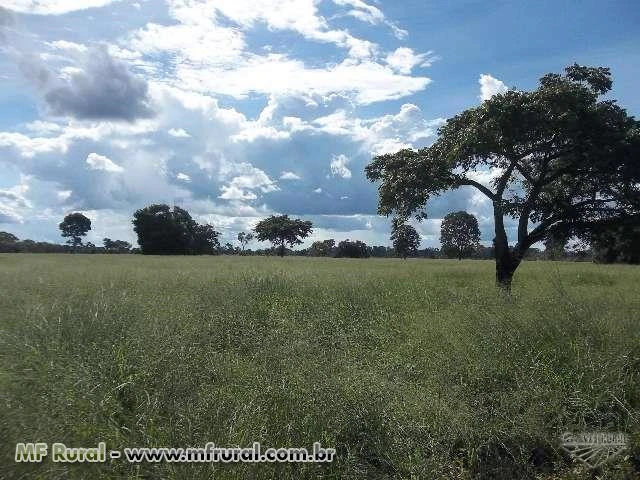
{"x":231,"y":192}
{"x":404,"y":59}
{"x":317,"y":190}
{"x":243,"y":186}
{"x":178,"y":133}
{"x":289,"y":176}
{"x":100,"y":162}
{"x":66,"y":45}
{"x":209,"y":55}
{"x":338,"y":166}
{"x":489,"y":86}
{"x":53,"y":7}
{"x":183,"y":176}
{"x":13,"y":202}
{"x":386,"y":134}
{"x":365,"y":82}
{"x":64,"y":194}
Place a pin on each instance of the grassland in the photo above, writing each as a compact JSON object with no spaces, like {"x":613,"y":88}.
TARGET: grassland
{"x":410,"y":369}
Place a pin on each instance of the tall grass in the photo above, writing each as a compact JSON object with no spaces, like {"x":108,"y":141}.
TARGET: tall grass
{"x":410,"y":369}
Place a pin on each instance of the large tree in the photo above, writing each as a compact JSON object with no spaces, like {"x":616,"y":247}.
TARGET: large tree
{"x":75,"y":226}
{"x":281,"y":231}
{"x":165,"y":231}
{"x":564,"y":160}
{"x":459,"y":234}
{"x":405,"y":238}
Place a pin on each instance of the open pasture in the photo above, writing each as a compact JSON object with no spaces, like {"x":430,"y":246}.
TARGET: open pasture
{"x":410,"y":369}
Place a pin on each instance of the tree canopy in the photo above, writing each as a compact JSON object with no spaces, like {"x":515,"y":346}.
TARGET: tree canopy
{"x":6,"y":237}
{"x":405,"y":238}
{"x":352,"y":249}
{"x":281,"y":231}
{"x":459,"y":234}
{"x":165,"y":231}
{"x":119,"y":246}
{"x":617,"y":243}
{"x":75,"y":226}
{"x":244,"y":238}
{"x":564,"y":159}
{"x":323,"y":248}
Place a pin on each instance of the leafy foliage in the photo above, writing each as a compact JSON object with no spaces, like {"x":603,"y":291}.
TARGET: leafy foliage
{"x":405,"y":238}
{"x":244,"y":238}
{"x":618,"y":243}
{"x":6,"y":237}
{"x":163,"y":231}
{"x":118,"y":246}
{"x":281,"y":231}
{"x":323,"y":248}
{"x":459,"y":234}
{"x":563,"y":158}
{"x":555,"y":244}
{"x":75,"y":225}
{"x":352,"y":249}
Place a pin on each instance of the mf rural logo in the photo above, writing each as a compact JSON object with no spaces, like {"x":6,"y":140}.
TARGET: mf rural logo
{"x":594,"y":448}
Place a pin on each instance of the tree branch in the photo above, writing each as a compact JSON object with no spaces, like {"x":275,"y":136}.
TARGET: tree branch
{"x":467,"y":181}
{"x":504,"y":179}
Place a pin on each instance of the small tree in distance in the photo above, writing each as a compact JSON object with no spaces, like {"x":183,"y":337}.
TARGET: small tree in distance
{"x":75,"y":226}
{"x":405,"y":238}
{"x":459,"y":234}
{"x":281,"y":231}
{"x":323,"y":248}
{"x":162,"y":230}
{"x":244,"y":238}
{"x":117,"y":246}
{"x":352,"y":249}
{"x":6,"y":237}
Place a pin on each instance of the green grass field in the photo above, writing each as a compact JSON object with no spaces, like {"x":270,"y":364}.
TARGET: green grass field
{"x":410,"y":369}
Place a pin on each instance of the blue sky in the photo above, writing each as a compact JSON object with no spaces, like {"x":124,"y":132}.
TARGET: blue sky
{"x":238,"y":109}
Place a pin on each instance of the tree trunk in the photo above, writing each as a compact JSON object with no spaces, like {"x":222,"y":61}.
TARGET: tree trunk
{"x":506,"y":263}
{"x":281,"y":250}
{"x":504,"y":272}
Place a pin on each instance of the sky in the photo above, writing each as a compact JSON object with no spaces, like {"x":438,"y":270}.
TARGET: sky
{"x":240,"y":109}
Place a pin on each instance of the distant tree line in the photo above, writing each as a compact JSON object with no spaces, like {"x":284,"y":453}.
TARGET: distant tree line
{"x":163,"y":230}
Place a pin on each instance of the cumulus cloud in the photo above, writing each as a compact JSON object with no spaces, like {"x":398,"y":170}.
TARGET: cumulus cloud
{"x":178,"y":133}
{"x":289,"y":176}
{"x":244,"y":186}
{"x":53,"y":7}
{"x":225,"y":165}
{"x":211,"y":55}
{"x":404,"y":59}
{"x":489,"y":86}
{"x":338,"y":166}
{"x":100,"y":162}
{"x":386,"y":134}
{"x":103,"y":89}
{"x":68,"y":46}
{"x":13,"y":201}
